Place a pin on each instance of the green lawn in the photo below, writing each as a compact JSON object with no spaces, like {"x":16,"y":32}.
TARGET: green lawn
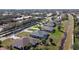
{"x":7,"y":43}
{"x":76,"y":44}
{"x":33,"y":29}
{"x":36,"y":26}
{"x":57,"y":33}
{"x":56,"y":36}
{"x":23,"y":34}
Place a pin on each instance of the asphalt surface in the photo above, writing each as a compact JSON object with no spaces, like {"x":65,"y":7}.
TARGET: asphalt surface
{"x":19,"y":28}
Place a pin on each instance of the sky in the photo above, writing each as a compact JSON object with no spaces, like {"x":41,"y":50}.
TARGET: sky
{"x":39,"y":4}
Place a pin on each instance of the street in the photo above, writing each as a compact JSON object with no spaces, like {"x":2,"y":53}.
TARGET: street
{"x":19,"y":28}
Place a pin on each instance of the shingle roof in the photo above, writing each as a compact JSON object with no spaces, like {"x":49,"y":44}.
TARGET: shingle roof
{"x":24,"y":42}
{"x":49,"y":24}
{"x":47,"y":28}
{"x":40,"y":34}
{"x":21,"y":42}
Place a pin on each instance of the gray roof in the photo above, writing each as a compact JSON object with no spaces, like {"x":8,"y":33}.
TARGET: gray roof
{"x":51,"y":20}
{"x":49,"y":24}
{"x":24,"y":42}
{"x":39,"y":34}
{"x":21,"y":42}
{"x":47,"y":28}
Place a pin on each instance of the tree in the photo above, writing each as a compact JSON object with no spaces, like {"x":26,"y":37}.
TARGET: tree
{"x":51,"y":40}
{"x":65,"y":17}
{"x":53,"y":44}
{"x":59,"y":28}
{"x":39,"y":27}
{"x":0,"y":43}
{"x":27,"y":47}
{"x":54,"y":31}
{"x":44,"y":41}
{"x":11,"y":47}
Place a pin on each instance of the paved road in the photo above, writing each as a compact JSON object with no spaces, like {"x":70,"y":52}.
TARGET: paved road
{"x":10,"y":32}
{"x":69,"y":28}
{"x":17,"y":29}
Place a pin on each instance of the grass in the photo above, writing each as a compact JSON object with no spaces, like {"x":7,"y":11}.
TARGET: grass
{"x":63,"y":24}
{"x":76,"y":44}
{"x":55,"y":17}
{"x":57,"y":33}
{"x":51,"y":47}
{"x":43,"y":47}
{"x":34,"y":29}
{"x":23,"y":34}
{"x":57,"y":38}
{"x":7,"y":43}
{"x":36,"y":26}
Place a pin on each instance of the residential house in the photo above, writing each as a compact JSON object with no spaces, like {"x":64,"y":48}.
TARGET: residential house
{"x":47,"y":28}
{"x":40,"y":34}
{"x":21,"y":43}
{"x":51,"y":24}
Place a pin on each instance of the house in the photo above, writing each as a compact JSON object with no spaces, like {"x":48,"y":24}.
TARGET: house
{"x":39,"y":34}
{"x":51,"y":24}
{"x":59,"y":18}
{"x":47,"y":28}
{"x":21,"y":43}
